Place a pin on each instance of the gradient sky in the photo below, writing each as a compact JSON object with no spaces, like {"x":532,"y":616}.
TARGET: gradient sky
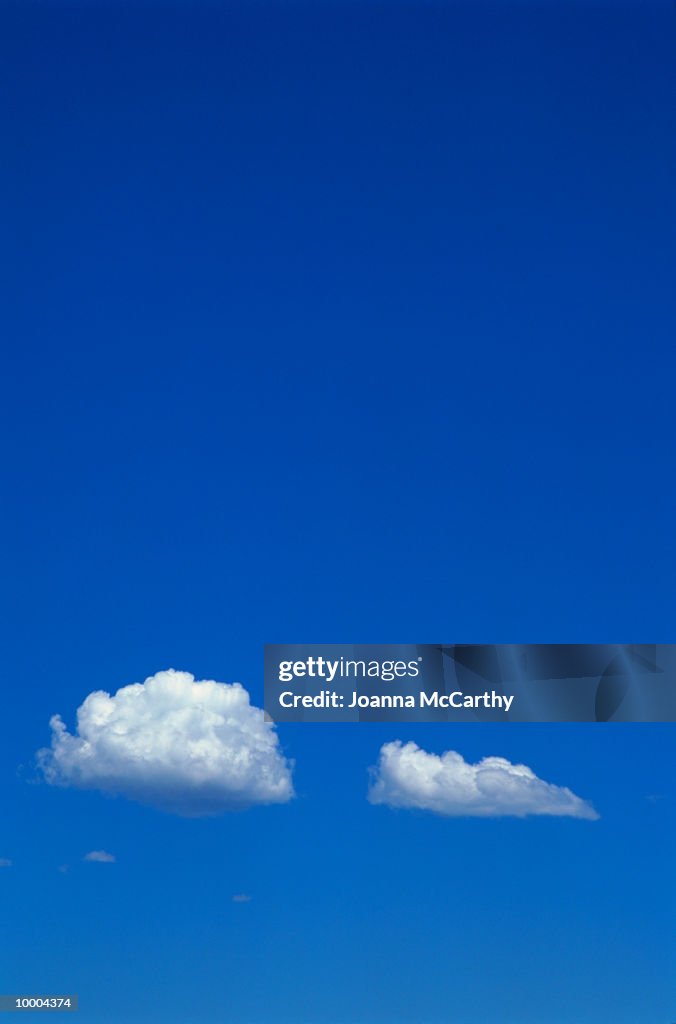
{"x":337,"y":323}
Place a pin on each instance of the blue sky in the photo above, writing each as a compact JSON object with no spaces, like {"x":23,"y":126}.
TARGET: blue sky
{"x":347,"y":323}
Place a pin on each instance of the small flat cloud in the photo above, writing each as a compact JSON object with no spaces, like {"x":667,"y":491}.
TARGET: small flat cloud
{"x":5,"y":862}
{"x":193,"y":748}
{"x":407,"y":776}
{"x":241,"y":897}
{"x":99,"y":857}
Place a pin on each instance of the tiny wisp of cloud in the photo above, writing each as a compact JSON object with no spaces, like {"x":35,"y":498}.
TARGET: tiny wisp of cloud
{"x":5,"y":862}
{"x":99,"y":857}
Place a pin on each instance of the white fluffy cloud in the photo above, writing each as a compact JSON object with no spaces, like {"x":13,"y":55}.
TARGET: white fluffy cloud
{"x":193,"y":748}
{"x":99,"y":857}
{"x":407,"y":776}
